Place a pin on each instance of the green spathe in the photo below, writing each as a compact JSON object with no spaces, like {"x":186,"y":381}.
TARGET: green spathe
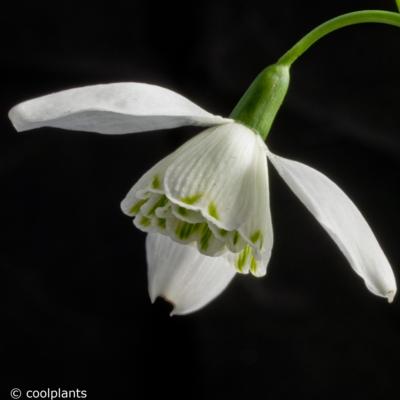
{"x":259,"y":105}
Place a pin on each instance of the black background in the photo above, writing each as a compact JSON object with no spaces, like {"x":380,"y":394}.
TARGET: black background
{"x":74,"y":307}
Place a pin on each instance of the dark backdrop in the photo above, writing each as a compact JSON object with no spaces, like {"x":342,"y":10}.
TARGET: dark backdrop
{"x":74,"y":307}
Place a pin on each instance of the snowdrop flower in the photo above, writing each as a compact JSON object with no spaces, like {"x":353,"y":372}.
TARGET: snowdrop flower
{"x":206,"y":207}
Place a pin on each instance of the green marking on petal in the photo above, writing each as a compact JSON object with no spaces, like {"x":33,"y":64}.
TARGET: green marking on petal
{"x":184,"y":230}
{"x":242,"y":258}
{"x":261,"y":241}
{"x":155,"y":184}
{"x":255,"y":236}
{"x":192,"y":199}
{"x":136,"y":207}
{"x":205,"y":237}
{"x":161,"y":223}
{"x":182,"y":211}
{"x":253,"y":265}
{"x":235,"y":237}
{"x":160,"y":203}
{"x":144,"y":221}
{"x":179,"y":229}
{"x":212,"y":210}
{"x":223,"y":232}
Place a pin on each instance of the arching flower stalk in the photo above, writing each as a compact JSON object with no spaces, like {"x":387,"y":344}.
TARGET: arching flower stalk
{"x":205,"y":207}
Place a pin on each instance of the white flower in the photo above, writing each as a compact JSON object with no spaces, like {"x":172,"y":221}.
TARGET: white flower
{"x":210,"y":196}
{"x":212,"y":191}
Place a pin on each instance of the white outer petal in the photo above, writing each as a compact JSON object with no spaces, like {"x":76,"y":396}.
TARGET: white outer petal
{"x":343,"y":221}
{"x":183,"y":276}
{"x":113,"y":108}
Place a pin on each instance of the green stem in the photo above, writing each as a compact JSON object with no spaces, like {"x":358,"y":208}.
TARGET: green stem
{"x":357,"y":17}
{"x":398,"y":4}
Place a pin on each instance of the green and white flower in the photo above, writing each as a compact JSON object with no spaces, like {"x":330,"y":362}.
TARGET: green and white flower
{"x":206,"y":206}
{"x":212,"y":191}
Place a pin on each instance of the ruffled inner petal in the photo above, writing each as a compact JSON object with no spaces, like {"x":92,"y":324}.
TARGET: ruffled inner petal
{"x":212,"y":192}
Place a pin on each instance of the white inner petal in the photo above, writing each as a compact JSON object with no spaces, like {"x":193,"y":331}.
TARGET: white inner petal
{"x":209,"y":175}
{"x":218,"y":197}
{"x":157,"y":214}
